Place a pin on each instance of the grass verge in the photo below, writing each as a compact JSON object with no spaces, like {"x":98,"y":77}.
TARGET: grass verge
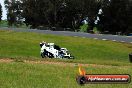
{"x":29,"y":75}
{"x":21,"y":46}
{"x":26,"y":45}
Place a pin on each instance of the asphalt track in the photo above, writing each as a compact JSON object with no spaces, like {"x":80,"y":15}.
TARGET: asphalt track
{"x":114,"y":38}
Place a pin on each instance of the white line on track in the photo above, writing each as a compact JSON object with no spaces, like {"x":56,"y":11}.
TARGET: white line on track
{"x":95,"y":38}
{"x":104,"y":39}
{"x":129,"y":36}
{"x":83,"y":37}
{"x":115,"y":35}
{"x":113,"y":40}
{"x":122,"y":41}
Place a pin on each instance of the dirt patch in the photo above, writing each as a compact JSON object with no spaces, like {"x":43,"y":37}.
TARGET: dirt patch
{"x":7,"y":60}
{"x":73,"y":64}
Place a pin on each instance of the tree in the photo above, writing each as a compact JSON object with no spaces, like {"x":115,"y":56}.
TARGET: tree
{"x":0,"y":12}
{"x":75,"y":10}
{"x":62,"y":13}
{"x":14,"y":12}
{"x":37,"y":12}
{"x":9,"y":4}
{"x":129,"y":20}
{"x":116,"y":16}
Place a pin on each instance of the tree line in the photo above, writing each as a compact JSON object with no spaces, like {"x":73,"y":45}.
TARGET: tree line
{"x":106,"y":15}
{"x":0,"y":12}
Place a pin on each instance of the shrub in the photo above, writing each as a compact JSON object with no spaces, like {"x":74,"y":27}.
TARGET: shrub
{"x":84,"y":28}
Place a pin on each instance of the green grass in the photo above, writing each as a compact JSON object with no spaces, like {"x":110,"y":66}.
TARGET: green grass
{"x":27,"y":75}
{"x":26,"y":45}
{"x":23,"y":45}
{"x":3,"y":23}
{"x":83,"y":28}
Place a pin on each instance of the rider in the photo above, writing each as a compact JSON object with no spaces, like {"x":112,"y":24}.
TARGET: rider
{"x":42,"y":43}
